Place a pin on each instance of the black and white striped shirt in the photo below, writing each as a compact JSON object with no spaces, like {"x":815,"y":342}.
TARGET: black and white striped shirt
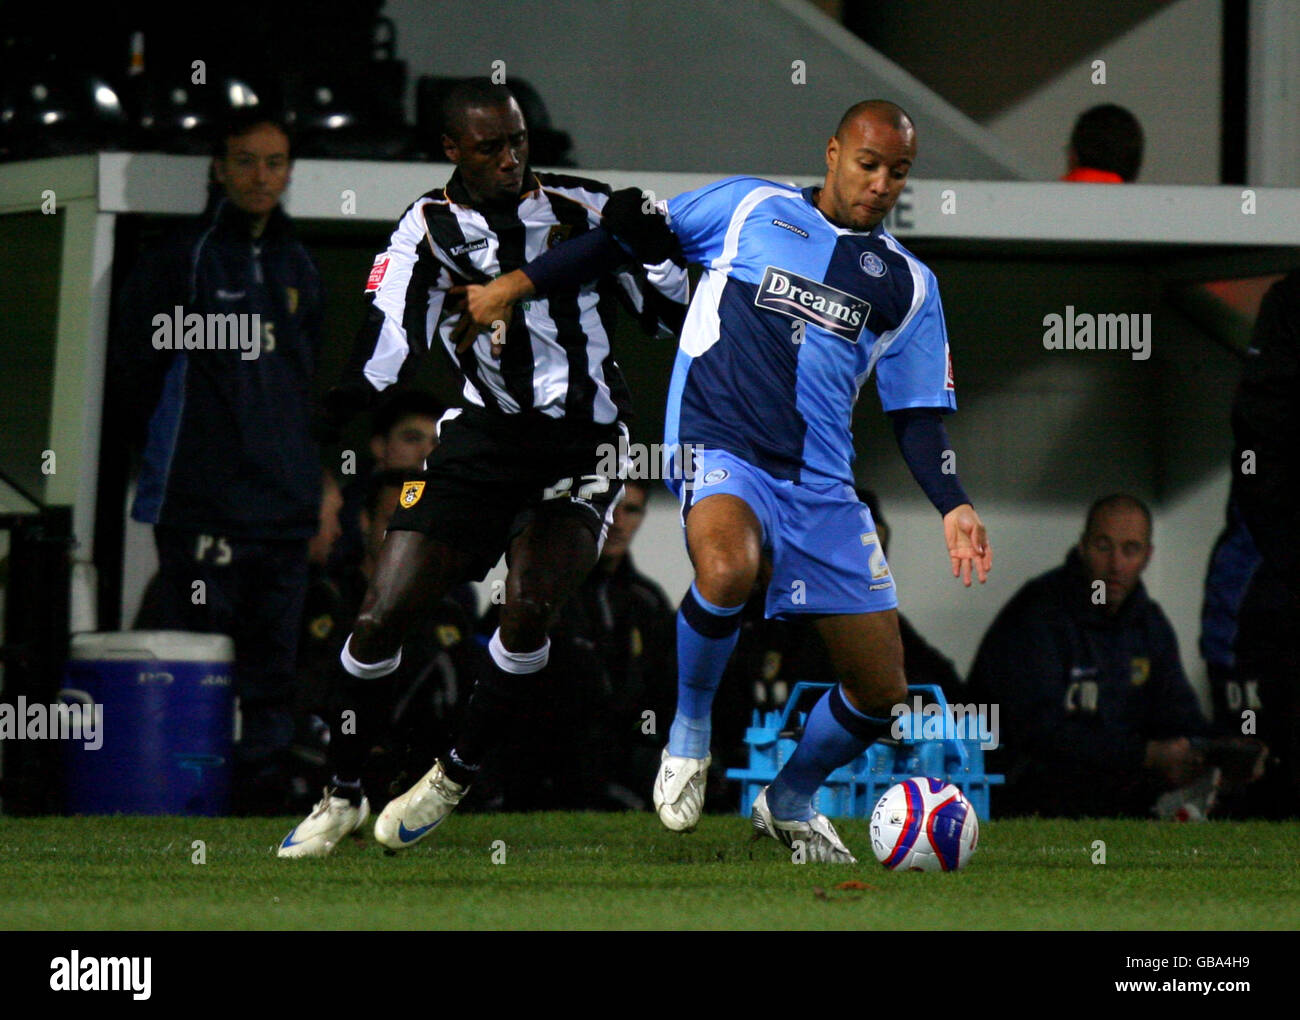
{"x":557,"y":358}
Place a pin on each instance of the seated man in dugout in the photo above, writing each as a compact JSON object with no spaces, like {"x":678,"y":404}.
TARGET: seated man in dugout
{"x":1097,"y":716}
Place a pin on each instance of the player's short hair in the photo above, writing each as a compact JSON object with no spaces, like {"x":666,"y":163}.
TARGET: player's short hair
{"x":240,"y":122}
{"x":471,"y":94}
{"x":406,"y":404}
{"x":1108,"y":137}
{"x":1116,"y":501}
{"x":392,"y":478}
{"x":893,"y":114}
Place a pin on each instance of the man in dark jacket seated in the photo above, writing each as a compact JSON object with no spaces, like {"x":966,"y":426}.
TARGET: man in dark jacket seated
{"x":1097,"y":717}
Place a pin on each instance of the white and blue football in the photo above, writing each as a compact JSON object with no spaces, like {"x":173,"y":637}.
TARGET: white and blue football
{"x":924,"y":824}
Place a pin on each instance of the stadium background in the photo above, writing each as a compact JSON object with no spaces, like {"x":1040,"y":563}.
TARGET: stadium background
{"x":710,"y":88}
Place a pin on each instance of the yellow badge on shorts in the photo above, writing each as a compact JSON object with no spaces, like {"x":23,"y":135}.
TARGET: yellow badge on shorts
{"x":1139,"y":670}
{"x":411,"y":493}
{"x":291,"y":299}
{"x":448,"y":635}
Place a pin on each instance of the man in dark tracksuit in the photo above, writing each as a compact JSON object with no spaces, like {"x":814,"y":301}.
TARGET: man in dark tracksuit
{"x":219,"y":331}
{"x":1266,"y":478}
{"x":1096,"y":715}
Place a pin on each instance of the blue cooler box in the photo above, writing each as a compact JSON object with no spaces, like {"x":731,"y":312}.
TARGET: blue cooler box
{"x":167,"y":703}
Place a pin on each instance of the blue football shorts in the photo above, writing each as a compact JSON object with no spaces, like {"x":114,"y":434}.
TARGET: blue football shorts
{"x":826,"y":555}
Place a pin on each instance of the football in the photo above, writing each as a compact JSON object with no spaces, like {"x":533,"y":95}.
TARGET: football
{"x":924,"y":824}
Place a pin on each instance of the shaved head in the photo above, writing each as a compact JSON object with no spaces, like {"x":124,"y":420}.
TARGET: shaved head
{"x":1116,"y":501}
{"x":882,"y":109}
{"x":867,"y":163}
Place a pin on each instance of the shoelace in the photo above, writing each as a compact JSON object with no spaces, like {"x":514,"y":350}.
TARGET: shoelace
{"x":324,"y":804}
{"x":438,"y":785}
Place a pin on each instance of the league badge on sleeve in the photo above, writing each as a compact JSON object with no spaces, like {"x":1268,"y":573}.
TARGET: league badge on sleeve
{"x":377,"y":272}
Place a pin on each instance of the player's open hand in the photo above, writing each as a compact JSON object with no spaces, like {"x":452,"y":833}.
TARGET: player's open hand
{"x":968,"y":544}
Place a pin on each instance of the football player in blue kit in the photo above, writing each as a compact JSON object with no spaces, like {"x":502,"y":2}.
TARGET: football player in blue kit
{"x":804,"y":294}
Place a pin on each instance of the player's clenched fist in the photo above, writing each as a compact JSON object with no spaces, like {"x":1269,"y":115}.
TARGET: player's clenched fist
{"x":968,"y":543}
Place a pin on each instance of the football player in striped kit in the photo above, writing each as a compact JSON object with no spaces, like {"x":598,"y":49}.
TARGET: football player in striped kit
{"x":804,"y":296}
{"x":523,"y":468}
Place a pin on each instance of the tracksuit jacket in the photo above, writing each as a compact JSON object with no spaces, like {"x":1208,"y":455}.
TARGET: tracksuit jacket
{"x":229,"y":448}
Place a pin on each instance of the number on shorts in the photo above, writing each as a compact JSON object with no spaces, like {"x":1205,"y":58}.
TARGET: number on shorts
{"x":592,"y":485}
{"x":876,"y":561}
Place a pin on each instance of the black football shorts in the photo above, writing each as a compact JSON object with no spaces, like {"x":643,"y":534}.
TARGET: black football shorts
{"x":492,"y":475}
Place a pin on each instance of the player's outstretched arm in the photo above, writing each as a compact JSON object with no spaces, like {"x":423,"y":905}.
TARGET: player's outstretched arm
{"x":924,"y":444}
{"x":968,"y":543}
{"x":572,"y":263}
{"x":629,"y":229}
{"x":484,"y":306}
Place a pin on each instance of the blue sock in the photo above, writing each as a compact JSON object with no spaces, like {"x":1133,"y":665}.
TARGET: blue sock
{"x":834,"y":735}
{"x":706,"y":637}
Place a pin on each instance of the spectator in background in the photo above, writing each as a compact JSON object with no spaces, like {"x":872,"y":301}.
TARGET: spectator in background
{"x":1266,"y":480}
{"x":403,"y":432}
{"x":1105,"y":146}
{"x":612,"y":661}
{"x":231,"y":475}
{"x":318,"y":642}
{"x":1233,"y":563}
{"x":1097,"y":717}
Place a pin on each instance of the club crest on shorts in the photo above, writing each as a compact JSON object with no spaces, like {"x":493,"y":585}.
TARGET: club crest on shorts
{"x":715,"y":476}
{"x":411,"y":493}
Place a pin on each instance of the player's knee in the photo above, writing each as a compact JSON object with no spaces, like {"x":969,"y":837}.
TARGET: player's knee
{"x":373,"y":637}
{"x":725,"y":576}
{"x":524,"y":622}
{"x":873,"y":692}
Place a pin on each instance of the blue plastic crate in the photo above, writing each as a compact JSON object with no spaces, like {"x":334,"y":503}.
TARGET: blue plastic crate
{"x":853,"y":790}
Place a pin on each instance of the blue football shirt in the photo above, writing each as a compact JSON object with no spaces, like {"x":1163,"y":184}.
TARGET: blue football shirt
{"x":790,"y":317}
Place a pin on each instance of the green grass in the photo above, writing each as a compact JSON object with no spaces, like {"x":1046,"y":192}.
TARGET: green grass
{"x":624,"y":871}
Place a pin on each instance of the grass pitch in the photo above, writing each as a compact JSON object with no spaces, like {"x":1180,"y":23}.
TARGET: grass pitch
{"x":585,"y":871}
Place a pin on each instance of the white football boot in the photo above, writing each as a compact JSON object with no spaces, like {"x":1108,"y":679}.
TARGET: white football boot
{"x":679,"y":791}
{"x":820,"y":840}
{"x":320,"y":832}
{"x":421,"y":809}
